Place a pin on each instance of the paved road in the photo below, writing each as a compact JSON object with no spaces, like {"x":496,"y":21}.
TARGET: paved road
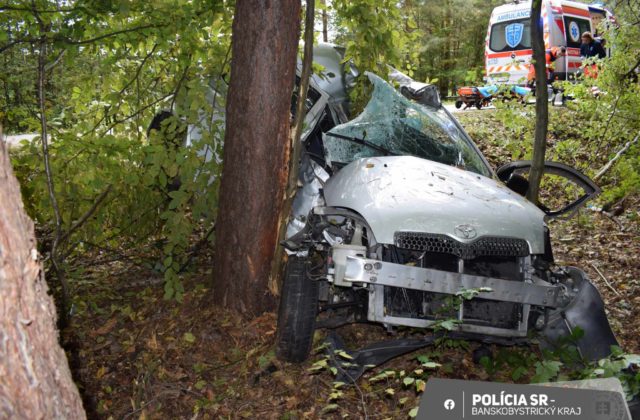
{"x":14,"y":140}
{"x":452,"y":108}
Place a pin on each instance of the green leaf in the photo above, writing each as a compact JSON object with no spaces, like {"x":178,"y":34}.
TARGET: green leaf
{"x":319,"y":365}
{"x":344,"y":354}
{"x":632,"y":359}
{"x":382,"y":376}
{"x":335,"y":395}
{"x":423,"y":358}
{"x":162,"y":179}
{"x":329,"y":408}
{"x":449,"y":324}
{"x":189,"y":337}
{"x":265,"y":360}
{"x":168,"y":261}
{"x":546,"y":371}
{"x":168,"y":290}
{"x":518,"y":372}
{"x":431,"y":365}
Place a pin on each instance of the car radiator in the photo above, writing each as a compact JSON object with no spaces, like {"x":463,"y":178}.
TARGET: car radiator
{"x":496,"y":257}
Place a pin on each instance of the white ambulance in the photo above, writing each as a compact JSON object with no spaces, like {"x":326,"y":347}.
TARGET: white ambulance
{"x":508,"y":42}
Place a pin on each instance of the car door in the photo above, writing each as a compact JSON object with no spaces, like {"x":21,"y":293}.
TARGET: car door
{"x":515,"y":174}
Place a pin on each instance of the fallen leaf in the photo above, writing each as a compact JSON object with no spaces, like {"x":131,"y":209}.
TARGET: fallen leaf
{"x":106,"y":328}
{"x":101,"y":372}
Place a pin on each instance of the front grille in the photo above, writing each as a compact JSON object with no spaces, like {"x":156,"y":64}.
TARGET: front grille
{"x":407,"y":303}
{"x":486,"y":246}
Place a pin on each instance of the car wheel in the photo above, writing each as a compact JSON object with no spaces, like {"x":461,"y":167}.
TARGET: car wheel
{"x":479,"y":105}
{"x":297,"y":313}
{"x":458,"y":104}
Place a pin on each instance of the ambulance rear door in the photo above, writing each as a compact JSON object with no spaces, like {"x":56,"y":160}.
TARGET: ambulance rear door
{"x":576,"y":20}
{"x":509,"y":46}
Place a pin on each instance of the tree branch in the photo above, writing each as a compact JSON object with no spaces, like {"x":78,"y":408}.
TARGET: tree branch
{"x":622,"y":151}
{"x":78,"y":42}
{"x":50,"y":186}
{"x":220,"y":77}
{"x":27,"y":9}
{"x":139,"y":69}
{"x":179,"y":84}
{"x":87,"y":215}
{"x":601,"y":141}
{"x":542,"y":105}
{"x":633,"y":69}
{"x":16,"y":42}
{"x":98,"y":38}
{"x":55,"y":61}
{"x":128,"y":117}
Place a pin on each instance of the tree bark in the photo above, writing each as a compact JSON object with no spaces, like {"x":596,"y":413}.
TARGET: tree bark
{"x":35,"y":379}
{"x":296,"y":145}
{"x":542,"y":103}
{"x":256,"y":152}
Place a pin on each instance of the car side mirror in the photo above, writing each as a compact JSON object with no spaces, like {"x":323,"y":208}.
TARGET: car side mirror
{"x":513,"y":175}
{"x":422,"y":93}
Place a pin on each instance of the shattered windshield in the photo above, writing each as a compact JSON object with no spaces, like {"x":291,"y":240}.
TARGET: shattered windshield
{"x":393,"y":125}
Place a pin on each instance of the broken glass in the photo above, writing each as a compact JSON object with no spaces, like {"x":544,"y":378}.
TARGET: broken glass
{"x":399,"y":126}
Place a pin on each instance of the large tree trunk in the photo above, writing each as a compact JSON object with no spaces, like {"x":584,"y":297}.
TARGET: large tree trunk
{"x":542,"y":104}
{"x":264,"y":47}
{"x":35,"y":381}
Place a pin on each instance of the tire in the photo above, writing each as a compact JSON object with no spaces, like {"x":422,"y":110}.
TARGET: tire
{"x":479,"y":105}
{"x":458,"y":104}
{"x":634,"y":407}
{"x":297,"y":313}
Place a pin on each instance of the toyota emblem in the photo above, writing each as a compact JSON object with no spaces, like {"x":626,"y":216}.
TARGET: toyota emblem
{"x":465,"y":231}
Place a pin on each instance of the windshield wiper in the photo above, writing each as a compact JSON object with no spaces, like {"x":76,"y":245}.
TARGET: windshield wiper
{"x":364,"y":142}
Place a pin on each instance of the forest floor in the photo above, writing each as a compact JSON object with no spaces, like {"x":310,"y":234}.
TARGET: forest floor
{"x":136,"y":355}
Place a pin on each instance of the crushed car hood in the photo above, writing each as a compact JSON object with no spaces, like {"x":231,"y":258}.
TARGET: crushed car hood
{"x":405,"y":193}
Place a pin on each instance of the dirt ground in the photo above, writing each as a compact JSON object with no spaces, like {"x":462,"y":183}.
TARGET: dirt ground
{"x":138,"y":356}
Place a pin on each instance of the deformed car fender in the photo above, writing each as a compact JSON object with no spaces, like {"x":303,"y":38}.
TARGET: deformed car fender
{"x":584,"y":311}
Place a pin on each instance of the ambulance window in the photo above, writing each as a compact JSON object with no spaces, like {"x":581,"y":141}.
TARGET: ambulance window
{"x":597,"y":19}
{"x":510,"y":36}
{"x":574,"y":28}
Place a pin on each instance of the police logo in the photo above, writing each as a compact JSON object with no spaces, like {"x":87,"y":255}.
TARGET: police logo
{"x":574,"y":31}
{"x":513,"y":34}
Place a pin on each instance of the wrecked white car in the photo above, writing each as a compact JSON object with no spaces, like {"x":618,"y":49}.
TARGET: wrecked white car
{"x":398,"y":211}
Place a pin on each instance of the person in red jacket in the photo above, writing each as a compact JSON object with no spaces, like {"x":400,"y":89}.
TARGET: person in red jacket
{"x":550,"y":57}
